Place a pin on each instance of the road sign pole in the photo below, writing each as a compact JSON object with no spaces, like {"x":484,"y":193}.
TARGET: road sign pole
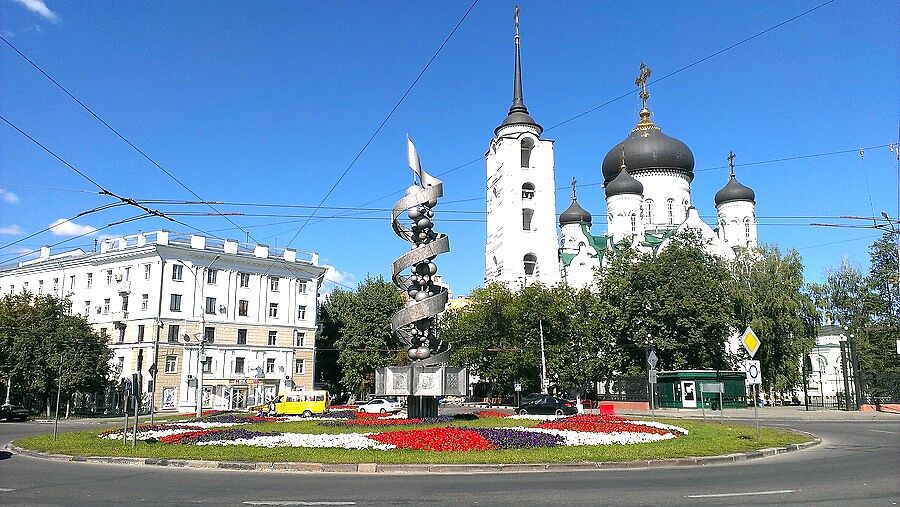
{"x":756,"y":408}
{"x":702,"y":403}
{"x":721,"y":405}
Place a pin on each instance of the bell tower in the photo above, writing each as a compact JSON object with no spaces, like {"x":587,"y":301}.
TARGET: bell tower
{"x":521,"y":246}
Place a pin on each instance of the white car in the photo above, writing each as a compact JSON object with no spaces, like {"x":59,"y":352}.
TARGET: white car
{"x":380,"y":406}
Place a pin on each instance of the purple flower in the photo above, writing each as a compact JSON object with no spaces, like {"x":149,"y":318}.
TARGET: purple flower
{"x":509,"y":438}
{"x":227,"y":434}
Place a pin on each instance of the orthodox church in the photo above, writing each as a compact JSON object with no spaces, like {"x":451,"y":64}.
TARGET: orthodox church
{"x":647,"y":179}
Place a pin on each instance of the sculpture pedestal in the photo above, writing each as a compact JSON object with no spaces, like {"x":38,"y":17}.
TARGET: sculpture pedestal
{"x":421,"y":407}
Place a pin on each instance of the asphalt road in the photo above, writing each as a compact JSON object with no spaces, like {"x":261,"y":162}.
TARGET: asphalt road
{"x":856,"y":464}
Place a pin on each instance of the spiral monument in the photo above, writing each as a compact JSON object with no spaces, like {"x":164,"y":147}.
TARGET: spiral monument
{"x":415,"y":324}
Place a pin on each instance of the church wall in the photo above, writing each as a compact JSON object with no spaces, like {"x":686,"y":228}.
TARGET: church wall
{"x":619,"y":209}
{"x":659,"y":187}
{"x":735,"y":218}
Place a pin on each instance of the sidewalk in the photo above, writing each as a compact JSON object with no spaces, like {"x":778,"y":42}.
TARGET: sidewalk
{"x":789,"y":413}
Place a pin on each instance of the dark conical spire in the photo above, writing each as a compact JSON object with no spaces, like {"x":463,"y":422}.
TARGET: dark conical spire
{"x":518,"y":113}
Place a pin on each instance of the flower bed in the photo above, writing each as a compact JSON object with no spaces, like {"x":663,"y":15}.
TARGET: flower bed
{"x":435,"y":439}
{"x":492,"y":414}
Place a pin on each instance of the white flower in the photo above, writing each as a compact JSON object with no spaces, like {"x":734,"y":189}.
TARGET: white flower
{"x":342,"y":441}
{"x":588,"y":438}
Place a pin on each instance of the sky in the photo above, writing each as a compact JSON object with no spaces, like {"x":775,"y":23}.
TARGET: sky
{"x":272,"y":102}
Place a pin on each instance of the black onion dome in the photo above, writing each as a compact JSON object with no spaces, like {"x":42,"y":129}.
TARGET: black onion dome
{"x":575,"y":214}
{"x":734,"y":190}
{"x":648,"y":148}
{"x":624,"y":183}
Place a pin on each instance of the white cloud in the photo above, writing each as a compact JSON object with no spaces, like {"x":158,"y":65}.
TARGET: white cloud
{"x":11,"y":230}
{"x":334,"y":277}
{"x":63,"y":227}
{"x":40,"y":8}
{"x":7,"y":196}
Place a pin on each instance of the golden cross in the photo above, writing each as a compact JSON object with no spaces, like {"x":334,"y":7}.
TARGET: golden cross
{"x":731,"y":161}
{"x":642,"y":82}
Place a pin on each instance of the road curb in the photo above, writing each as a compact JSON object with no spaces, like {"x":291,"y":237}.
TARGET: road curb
{"x":413,"y":468}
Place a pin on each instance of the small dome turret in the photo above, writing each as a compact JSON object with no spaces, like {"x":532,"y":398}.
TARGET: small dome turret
{"x":734,"y":190}
{"x":575,"y":214}
{"x":624,"y":183}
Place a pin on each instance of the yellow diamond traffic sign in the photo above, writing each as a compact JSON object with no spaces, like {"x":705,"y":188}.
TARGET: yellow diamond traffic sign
{"x":750,"y":341}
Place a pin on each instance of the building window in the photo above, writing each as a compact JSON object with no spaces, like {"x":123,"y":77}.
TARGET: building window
{"x":207,"y":364}
{"x":173,"y":333}
{"x":239,"y":365}
{"x":649,"y":213}
{"x":722,"y":230}
{"x":528,"y":191}
{"x":71,"y":282}
{"x":670,"y":210}
{"x":124,"y":302}
{"x":527,"y":215}
{"x":530,"y":261}
{"x":301,"y":312}
{"x":171,"y":362}
{"x":145,"y":301}
{"x":121,"y":365}
{"x":272,"y":336}
{"x":273,"y":283}
{"x":273,"y":310}
{"x":633,"y":223}
{"x":210,"y":305}
{"x":104,"y":333}
{"x":147,"y":269}
{"x":244,"y":279}
{"x":300,"y":340}
{"x":141,"y":330}
{"x":527,"y":146}
{"x":121,"y":334}
{"x":211,"y":276}
{"x":299,"y":366}
{"x":56,"y":285}
{"x":270,"y":365}
{"x":90,"y":280}
{"x":747,"y":228}
{"x":177,"y":272}
{"x":209,"y":334}
{"x":87,"y":308}
{"x":301,"y":287}
{"x":24,"y":286}
{"x":106,"y":307}
{"x":40,"y":287}
{"x":109,"y":277}
{"x":242,"y":337}
{"x":243,"y":307}
{"x":175,"y":303}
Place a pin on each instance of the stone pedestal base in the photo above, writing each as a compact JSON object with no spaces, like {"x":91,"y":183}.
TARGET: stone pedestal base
{"x":421,"y":407}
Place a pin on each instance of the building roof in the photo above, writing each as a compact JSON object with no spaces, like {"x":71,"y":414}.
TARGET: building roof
{"x":575,"y":214}
{"x":647,"y":148}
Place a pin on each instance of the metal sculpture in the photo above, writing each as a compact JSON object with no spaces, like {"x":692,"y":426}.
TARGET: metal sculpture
{"x":414,"y":324}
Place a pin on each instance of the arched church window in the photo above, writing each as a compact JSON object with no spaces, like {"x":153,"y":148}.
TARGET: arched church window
{"x":527,"y":215}
{"x":722,"y":230}
{"x":747,"y":228}
{"x":670,"y":210}
{"x":649,"y":213}
{"x":527,"y":146}
{"x":528,"y":191}
{"x":530,"y":262}
{"x":609,"y":218}
{"x":633,"y":223}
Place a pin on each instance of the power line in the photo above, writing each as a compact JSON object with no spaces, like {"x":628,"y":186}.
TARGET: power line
{"x":383,"y":122}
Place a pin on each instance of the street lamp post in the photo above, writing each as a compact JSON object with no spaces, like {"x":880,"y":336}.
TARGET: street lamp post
{"x":202,"y":348}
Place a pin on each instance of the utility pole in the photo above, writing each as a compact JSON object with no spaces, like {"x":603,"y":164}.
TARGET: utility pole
{"x":544,"y":381}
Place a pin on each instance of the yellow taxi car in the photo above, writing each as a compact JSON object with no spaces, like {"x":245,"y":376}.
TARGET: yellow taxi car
{"x":304,"y":403}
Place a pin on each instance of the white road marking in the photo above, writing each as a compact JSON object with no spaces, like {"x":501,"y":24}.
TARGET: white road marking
{"x":883,"y":431}
{"x":749,"y":493}
{"x":295,"y":502}
{"x":6,"y":490}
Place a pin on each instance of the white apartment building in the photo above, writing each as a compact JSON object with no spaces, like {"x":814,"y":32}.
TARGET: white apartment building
{"x":155,"y":294}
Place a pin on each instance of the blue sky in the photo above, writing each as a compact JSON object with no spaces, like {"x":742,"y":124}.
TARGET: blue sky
{"x":269,"y":102}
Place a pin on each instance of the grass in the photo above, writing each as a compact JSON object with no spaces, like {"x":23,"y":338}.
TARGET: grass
{"x":704,"y":439}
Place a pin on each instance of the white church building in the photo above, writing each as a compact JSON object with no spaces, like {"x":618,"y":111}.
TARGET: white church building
{"x":647,"y":179}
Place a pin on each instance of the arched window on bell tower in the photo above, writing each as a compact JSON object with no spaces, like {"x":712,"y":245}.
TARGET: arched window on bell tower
{"x":527,"y":215}
{"x":527,"y":146}
{"x":527,"y":191}
{"x":530,"y":262}
{"x":633,"y":223}
{"x":670,"y":210}
{"x":747,"y":229}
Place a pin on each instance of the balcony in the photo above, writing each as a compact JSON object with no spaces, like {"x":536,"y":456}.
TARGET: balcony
{"x":124,"y":287}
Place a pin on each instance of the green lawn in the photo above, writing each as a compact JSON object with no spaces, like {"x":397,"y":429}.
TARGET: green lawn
{"x":704,"y":439}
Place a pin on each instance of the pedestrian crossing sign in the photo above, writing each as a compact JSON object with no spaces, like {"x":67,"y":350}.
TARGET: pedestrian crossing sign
{"x":750,"y":341}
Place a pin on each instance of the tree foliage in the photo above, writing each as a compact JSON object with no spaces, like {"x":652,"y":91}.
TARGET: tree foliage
{"x":356,"y":327}
{"x":38,"y":335}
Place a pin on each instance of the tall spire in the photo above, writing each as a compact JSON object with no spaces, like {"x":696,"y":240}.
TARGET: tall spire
{"x":518,"y":113}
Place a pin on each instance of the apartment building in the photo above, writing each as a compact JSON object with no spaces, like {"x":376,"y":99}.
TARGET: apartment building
{"x":155,"y":295}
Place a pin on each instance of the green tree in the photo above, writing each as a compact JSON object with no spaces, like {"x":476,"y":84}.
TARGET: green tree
{"x":357,"y":325}
{"x":769,"y":296}
{"x":39,"y":336}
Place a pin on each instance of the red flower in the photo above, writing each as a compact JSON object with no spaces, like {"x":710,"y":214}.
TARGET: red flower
{"x":436,"y":439}
{"x":489,"y":414}
{"x":600,"y":424}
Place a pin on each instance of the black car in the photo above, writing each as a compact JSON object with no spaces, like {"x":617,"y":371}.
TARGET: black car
{"x":547,"y":405}
{"x":13,"y":413}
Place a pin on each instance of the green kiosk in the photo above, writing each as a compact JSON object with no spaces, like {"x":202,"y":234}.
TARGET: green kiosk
{"x":681,"y":388}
